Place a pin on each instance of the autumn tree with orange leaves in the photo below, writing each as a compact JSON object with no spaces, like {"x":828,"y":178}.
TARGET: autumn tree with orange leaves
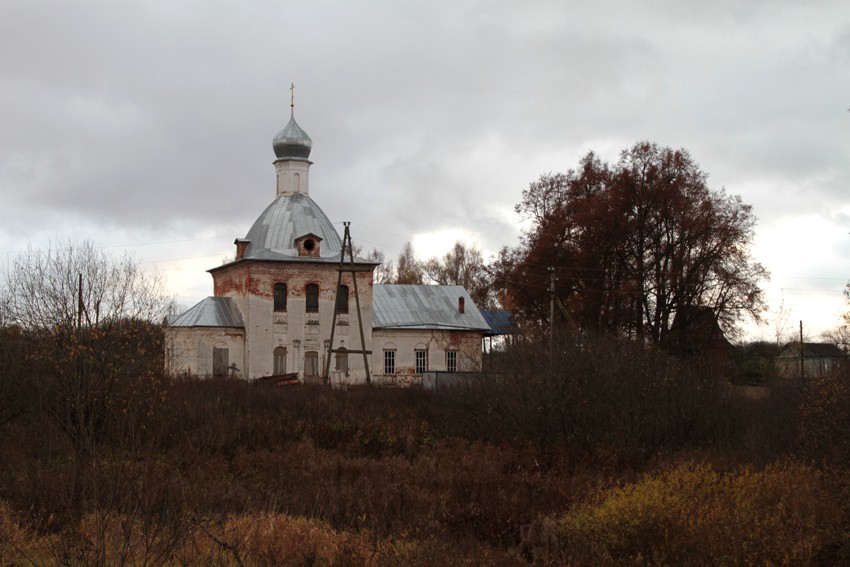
{"x":633,"y":244}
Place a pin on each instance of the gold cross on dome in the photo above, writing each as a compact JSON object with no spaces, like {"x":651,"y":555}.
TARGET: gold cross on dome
{"x":292,"y":96}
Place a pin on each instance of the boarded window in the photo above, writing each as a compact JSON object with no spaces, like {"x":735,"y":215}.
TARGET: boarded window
{"x":451,"y":360}
{"x":342,"y":299}
{"x":280,"y":297}
{"x":421,"y":360}
{"x":221,"y":361}
{"x":341,"y":360}
{"x":389,"y":362}
{"x":312,"y":298}
{"x":279,"y":360}
{"x":311,"y":364}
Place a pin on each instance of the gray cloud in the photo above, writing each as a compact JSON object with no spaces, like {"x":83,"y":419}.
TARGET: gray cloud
{"x":154,"y":118}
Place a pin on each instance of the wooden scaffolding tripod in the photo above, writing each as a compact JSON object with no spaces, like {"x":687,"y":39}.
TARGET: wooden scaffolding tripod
{"x":352,"y":269}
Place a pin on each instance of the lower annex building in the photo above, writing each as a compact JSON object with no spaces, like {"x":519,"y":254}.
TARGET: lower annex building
{"x":277,"y":309}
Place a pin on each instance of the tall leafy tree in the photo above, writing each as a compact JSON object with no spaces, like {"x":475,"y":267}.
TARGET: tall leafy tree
{"x":634,"y":244}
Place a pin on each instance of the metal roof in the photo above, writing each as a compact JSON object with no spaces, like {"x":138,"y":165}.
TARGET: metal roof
{"x":397,"y":306}
{"x":500,"y":321}
{"x":292,"y":142}
{"x":288,"y":217}
{"x":211,"y":312}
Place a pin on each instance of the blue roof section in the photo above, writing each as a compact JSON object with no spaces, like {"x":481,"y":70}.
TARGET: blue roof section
{"x":500,"y":321}
{"x":397,"y":306}
{"x":211,"y":312}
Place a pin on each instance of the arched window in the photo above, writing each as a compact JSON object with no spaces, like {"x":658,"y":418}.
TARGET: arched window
{"x":312,"y":298}
{"x":279,"y":361}
{"x":342,"y":299}
{"x":341,"y":360}
{"x":280,"y":297}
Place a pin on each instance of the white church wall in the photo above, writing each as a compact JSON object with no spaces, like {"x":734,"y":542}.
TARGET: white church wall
{"x":191,"y":350}
{"x":303,"y":334}
{"x":404,"y":344}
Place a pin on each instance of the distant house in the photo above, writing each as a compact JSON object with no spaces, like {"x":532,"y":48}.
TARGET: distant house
{"x":817,"y":358}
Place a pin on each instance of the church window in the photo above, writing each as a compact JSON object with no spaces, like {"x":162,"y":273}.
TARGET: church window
{"x":279,"y":361}
{"x":280,"y":297}
{"x":342,"y":299}
{"x":421,"y":360}
{"x":451,"y":360}
{"x":312,"y":298}
{"x":389,"y":361}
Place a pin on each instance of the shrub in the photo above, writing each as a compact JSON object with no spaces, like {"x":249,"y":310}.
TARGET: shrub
{"x":694,"y":515}
{"x":597,"y":395}
{"x":825,"y":417}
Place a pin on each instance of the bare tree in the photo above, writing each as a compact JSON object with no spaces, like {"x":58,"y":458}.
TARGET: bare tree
{"x":383,"y":274}
{"x":782,"y":322}
{"x":42,"y":288}
{"x":462,"y":265}
{"x":409,"y":270}
{"x":92,"y":341}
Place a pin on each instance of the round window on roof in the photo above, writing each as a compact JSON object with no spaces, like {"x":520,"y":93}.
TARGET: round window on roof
{"x":309,"y":244}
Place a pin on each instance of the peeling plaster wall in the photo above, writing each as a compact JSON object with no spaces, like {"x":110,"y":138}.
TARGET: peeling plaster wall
{"x":251,"y":285}
{"x":467,"y":344}
{"x":190,"y":349}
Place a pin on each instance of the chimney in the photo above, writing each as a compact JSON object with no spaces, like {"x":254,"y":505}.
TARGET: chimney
{"x":241,"y":247}
{"x":460,"y":304}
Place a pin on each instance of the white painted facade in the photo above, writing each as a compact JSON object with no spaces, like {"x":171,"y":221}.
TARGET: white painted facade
{"x":270,"y":330}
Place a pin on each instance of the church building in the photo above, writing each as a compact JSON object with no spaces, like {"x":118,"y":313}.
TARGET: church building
{"x":287,"y":304}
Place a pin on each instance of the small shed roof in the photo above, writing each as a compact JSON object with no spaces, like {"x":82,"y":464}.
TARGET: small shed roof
{"x":396,"y":306}
{"x":211,"y":312}
{"x":500,"y":321}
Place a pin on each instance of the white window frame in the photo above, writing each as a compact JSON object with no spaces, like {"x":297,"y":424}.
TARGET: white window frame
{"x":420,"y":357}
{"x":451,"y":361}
{"x":389,"y":362}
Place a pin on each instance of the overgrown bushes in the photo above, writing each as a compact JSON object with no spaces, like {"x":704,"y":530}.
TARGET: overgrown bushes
{"x":598,"y":395}
{"x":564,"y":460}
{"x":694,"y":515}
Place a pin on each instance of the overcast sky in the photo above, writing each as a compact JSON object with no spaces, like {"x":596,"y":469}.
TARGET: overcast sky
{"x":147,"y":125}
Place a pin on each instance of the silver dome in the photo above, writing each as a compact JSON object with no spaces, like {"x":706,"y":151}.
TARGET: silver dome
{"x":292,"y":142}
{"x":289,"y":217}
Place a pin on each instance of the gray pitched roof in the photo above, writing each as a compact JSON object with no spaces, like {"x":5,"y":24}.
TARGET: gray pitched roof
{"x":424,"y":307}
{"x":211,"y":312}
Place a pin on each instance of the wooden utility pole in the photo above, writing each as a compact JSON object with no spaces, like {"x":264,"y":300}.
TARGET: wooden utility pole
{"x":346,"y":245}
{"x":551,"y":311}
{"x":80,"y":302}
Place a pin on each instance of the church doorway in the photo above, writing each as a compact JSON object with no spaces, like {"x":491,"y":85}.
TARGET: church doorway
{"x":311,"y":365}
